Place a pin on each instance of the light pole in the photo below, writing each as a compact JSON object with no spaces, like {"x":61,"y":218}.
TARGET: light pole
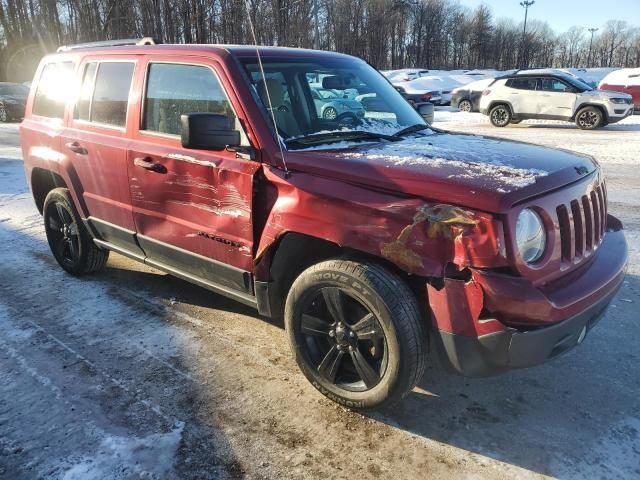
{"x":592,"y":30}
{"x":525,"y":5}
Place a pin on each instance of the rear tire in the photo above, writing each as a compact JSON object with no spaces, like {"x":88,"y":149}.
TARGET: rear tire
{"x":69,"y":240}
{"x":465,"y":106}
{"x":330,"y":113}
{"x":500,"y":116}
{"x":356,"y":333}
{"x":589,"y":118}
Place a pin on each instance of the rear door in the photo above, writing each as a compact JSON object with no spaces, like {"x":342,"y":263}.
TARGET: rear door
{"x":96,"y":142}
{"x":523,"y":96}
{"x":192,"y":208}
{"x":558,"y":97}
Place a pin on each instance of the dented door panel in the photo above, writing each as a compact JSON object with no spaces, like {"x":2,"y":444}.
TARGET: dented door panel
{"x":198,"y":201}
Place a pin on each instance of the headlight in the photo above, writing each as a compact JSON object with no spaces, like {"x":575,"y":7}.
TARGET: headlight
{"x":530,"y":235}
{"x":618,"y":100}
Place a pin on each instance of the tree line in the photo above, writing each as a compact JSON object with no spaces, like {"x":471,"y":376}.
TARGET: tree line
{"x":390,"y":34}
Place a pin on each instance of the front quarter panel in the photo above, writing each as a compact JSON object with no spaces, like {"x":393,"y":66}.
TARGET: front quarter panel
{"x":417,"y":236}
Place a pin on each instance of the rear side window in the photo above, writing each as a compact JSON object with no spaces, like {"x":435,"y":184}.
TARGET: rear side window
{"x":522,"y":83}
{"x":104,"y":93}
{"x":54,"y":89}
{"x":83,"y":107}
{"x":111,"y":93}
{"x":174,"y":89}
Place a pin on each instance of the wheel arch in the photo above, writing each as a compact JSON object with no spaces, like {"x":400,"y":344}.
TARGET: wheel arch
{"x":507,"y":103}
{"x":294,"y":252}
{"x":603,"y":110}
{"x":42,"y":182}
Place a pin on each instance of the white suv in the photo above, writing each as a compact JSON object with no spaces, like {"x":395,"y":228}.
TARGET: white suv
{"x":557,"y":96}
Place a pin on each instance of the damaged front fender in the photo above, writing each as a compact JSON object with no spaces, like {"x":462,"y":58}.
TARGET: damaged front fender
{"x":419,"y":237}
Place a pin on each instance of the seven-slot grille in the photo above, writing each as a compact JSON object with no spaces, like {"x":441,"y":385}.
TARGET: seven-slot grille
{"x":582,"y":224}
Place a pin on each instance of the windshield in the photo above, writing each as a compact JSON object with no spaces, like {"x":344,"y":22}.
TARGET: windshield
{"x":578,"y":83}
{"x":13,"y":90}
{"x":329,"y":98}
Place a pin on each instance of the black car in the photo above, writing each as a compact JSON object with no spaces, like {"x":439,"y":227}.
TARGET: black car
{"x":467,"y":97}
{"x":13,"y":97}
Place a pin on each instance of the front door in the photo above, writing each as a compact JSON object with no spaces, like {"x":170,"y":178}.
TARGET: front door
{"x":558,"y":98}
{"x":192,"y":208}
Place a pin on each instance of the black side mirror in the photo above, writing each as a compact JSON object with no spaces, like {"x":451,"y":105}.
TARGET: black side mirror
{"x":426,"y":111}
{"x":208,"y":131}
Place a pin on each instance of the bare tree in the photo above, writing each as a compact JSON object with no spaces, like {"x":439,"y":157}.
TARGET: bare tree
{"x":388,"y":33}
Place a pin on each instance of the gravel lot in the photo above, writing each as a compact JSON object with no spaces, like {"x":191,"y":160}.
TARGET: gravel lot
{"x":134,"y":374}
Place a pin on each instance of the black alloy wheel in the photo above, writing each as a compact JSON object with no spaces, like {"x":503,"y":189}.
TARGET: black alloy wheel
{"x":70,"y":242}
{"x":343,"y":340}
{"x":356,"y":332}
{"x":63,"y":234}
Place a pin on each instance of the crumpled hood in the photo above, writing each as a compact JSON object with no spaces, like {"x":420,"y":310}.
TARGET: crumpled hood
{"x":469,"y":170}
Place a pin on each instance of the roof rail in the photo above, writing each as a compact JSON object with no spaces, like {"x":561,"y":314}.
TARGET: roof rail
{"x":109,"y":43}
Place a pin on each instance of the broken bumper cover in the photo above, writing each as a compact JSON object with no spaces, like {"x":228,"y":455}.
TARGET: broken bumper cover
{"x":470,"y":318}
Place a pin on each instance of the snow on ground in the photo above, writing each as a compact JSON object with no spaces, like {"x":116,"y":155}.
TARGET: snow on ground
{"x":132,"y":374}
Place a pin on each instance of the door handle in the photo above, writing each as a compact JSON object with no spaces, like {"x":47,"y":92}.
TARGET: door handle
{"x":76,"y":148}
{"x":148,"y":164}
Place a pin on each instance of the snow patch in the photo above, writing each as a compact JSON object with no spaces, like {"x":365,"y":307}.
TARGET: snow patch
{"x":421,"y":152}
{"x":118,"y":457}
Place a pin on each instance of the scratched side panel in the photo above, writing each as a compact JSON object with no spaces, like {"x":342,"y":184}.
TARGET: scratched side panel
{"x":418,"y":236}
{"x":202,"y":202}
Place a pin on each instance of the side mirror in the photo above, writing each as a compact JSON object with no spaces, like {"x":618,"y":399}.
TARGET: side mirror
{"x":208,"y":131}
{"x":426,"y":111}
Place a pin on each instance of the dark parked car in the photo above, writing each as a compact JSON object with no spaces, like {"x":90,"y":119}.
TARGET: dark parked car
{"x":12,"y":100}
{"x":467,"y":97}
{"x":370,"y":239}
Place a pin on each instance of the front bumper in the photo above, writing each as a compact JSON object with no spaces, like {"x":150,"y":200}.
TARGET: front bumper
{"x":620,"y":113}
{"x":493,"y":323}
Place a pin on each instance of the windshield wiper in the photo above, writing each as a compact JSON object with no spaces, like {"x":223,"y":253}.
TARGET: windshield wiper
{"x":411,"y":129}
{"x":330,"y":137}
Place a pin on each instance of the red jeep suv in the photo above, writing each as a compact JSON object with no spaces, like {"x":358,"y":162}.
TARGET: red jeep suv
{"x":372,"y":235}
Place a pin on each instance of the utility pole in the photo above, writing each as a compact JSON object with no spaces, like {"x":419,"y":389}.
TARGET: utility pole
{"x":592,"y":30}
{"x":525,"y":4}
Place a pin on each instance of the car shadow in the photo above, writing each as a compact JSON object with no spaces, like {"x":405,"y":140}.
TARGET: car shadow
{"x":615,"y":127}
{"x":561,"y":417}
{"x":549,"y":419}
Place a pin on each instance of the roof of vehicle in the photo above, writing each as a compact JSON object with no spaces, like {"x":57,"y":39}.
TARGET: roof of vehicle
{"x":101,"y":48}
{"x":536,"y":75}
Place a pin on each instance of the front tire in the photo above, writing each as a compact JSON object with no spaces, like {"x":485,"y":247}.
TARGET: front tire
{"x":356,"y":333}
{"x":589,"y":118}
{"x":70,"y":243}
{"x":4,"y":116}
{"x":500,"y":116}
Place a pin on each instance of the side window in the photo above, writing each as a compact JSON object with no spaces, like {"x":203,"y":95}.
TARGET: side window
{"x":53,"y":90}
{"x":83,"y":106}
{"x":554,"y":85}
{"x":111,"y":93}
{"x":523,"y":83}
{"x":174,"y":89}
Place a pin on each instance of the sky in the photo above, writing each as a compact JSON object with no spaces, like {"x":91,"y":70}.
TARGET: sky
{"x":563,"y":14}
